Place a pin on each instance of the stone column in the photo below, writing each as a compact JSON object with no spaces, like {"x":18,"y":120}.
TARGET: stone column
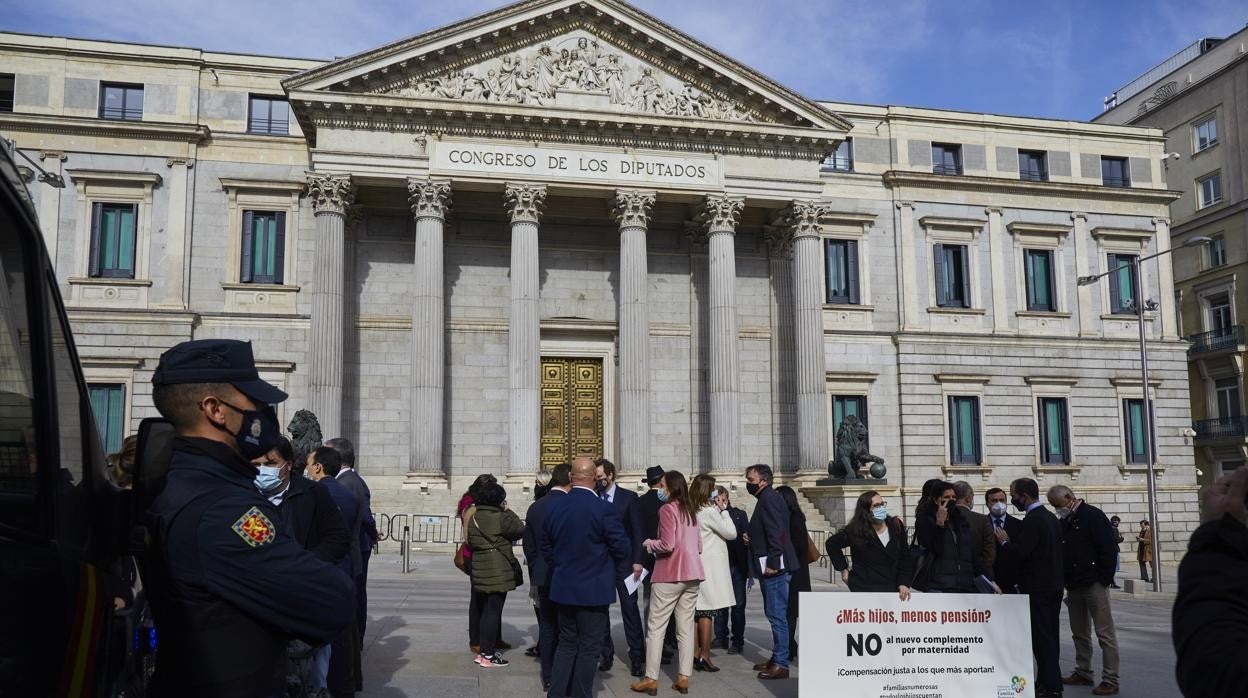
{"x":1088,"y":326}
{"x":997,"y":253}
{"x":429,"y":200}
{"x":1165,"y":282}
{"x":330,"y":195}
{"x":802,"y":221}
{"x":175,"y":259}
{"x":524,"y":204}
{"x":909,"y":271}
{"x":632,"y":211}
{"x":720,"y":214}
{"x":783,"y":391}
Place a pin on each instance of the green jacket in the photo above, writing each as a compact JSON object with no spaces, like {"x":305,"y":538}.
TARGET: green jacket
{"x":490,"y":534}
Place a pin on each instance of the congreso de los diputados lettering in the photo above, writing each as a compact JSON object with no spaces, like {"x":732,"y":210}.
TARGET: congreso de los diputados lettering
{"x":566,"y":228}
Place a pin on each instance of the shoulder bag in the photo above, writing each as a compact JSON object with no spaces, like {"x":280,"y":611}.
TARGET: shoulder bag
{"x":464,"y":564}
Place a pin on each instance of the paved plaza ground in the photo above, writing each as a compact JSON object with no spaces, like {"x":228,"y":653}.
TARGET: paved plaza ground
{"x":417,"y":642}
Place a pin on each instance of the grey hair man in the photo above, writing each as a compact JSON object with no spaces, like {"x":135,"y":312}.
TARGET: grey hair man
{"x":983,"y":543}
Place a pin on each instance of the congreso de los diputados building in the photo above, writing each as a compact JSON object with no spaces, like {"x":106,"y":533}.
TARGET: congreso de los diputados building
{"x":566,"y":228}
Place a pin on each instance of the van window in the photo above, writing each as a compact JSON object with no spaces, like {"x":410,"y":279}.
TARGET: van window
{"x":17,"y":424}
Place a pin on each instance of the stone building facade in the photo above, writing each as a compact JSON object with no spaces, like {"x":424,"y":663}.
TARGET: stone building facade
{"x":564,"y":227}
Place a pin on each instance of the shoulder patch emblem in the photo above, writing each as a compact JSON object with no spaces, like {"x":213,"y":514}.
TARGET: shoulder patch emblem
{"x":255,"y":528}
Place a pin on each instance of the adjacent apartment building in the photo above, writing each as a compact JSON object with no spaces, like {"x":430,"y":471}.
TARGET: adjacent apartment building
{"x":564,"y":227}
{"x":1199,"y":99}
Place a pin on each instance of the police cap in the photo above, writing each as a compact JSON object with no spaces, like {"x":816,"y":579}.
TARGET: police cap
{"x":216,"y":361}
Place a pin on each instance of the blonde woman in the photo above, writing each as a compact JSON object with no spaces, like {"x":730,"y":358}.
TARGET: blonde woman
{"x":715,"y":593}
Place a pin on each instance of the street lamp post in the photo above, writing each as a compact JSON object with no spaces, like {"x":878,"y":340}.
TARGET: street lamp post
{"x":1149,"y":454}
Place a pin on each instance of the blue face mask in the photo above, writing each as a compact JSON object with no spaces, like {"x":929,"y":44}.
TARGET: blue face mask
{"x":880,"y":513}
{"x":662,"y":494}
{"x":269,"y":479}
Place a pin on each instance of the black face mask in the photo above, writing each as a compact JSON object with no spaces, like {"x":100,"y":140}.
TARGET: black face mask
{"x":259,"y":432}
{"x":752,"y":488}
{"x":601,"y":486}
{"x":1018,"y":503}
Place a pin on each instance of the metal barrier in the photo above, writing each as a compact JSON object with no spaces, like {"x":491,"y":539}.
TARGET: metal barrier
{"x":422,"y":528}
{"x":819,"y":537}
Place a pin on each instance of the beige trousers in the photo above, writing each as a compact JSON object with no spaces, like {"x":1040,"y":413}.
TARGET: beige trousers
{"x":1089,"y":606}
{"x":671,"y":602}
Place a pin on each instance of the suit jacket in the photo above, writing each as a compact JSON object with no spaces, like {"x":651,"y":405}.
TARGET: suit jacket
{"x":629,"y":505}
{"x":352,"y":513}
{"x":368,"y":526}
{"x":769,"y":533}
{"x":877,"y":567}
{"x":1210,"y":617}
{"x":648,"y":508}
{"x":311,"y":516}
{"x":983,"y":542}
{"x":1036,"y":548}
{"x":586,"y":549}
{"x":1005,"y":570}
{"x":738,"y":553}
{"x":534,"y":534}
{"x":1088,"y":547}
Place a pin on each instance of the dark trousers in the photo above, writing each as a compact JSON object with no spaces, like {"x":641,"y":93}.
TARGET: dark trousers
{"x":342,"y":668}
{"x":1045,"y":644}
{"x":736,"y":614}
{"x":475,"y":600}
{"x":1144,"y":570}
{"x":580,"y":643}
{"x":361,"y":593}
{"x":633,"y":632}
{"x":547,"y":631}
{"x":491,"y":620}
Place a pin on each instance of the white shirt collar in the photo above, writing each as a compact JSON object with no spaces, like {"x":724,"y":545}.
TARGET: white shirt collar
{"x":344,"y":469}
{"x":611,"y":493}
{"x":587,"y":489}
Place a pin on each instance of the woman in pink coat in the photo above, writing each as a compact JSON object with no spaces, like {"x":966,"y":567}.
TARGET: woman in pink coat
{"x":674,"y":583}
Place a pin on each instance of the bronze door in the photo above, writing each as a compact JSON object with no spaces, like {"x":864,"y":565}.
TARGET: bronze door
{"x":571,"y":410}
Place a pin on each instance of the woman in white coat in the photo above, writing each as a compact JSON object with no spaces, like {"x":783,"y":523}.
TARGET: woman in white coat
{"x":715,"y":592}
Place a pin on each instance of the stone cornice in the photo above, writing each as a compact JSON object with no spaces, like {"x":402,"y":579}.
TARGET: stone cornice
{"x":330,"y":193}
{"x":268,"y":185}
{"x":1025,"y":228}
{"x":106,"y":128}
{"x":902,"y":178}
{"x":524,"y":202}
{"x":1137,"y":234}
{"x":147,"y":179}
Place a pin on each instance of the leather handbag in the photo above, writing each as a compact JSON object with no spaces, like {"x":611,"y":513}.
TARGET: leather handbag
{"x":812,"y":550}
{"x":463,"y":563}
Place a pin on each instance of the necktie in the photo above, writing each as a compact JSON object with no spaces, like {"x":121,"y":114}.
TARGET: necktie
{"x":605,"y":498}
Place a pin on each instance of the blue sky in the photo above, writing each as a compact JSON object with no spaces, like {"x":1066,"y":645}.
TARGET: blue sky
{"x":1057,"y":59}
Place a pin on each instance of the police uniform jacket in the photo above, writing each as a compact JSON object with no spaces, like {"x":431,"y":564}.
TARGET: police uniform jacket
{"x":228,"y":586}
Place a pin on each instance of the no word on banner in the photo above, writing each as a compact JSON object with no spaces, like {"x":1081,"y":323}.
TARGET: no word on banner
{"x":932,"y":646}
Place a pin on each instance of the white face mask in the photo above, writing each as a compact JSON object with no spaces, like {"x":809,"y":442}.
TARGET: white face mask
{"x":998,"y":509}
{"x":1063,"y":512}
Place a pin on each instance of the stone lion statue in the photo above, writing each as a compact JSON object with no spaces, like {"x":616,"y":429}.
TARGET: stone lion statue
{"x":851,"y":451}
{"x":305,"y":435}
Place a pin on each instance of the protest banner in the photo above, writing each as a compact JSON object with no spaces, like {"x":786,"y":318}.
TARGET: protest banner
{"x":932,"y":646}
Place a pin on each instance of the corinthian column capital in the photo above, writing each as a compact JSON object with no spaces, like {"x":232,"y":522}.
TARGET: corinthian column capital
{"x":429,"y":198}
{"x":330,"y":193}
{"x":719,"y":213}
{"x":524,"y":202}
{"x":631,"y":208}
{"x":802,"y":218}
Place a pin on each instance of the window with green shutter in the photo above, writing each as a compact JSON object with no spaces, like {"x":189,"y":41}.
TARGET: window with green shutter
{"x":1039,"y":268}
{"x":1054,"y":431}
{"x":841,"y":258}
{"x":964,"y":441}
{"x":264,"y":247}
{"x":953,"y":277}
{"x":1122,"y":284}
{"x":108,"y":402}
{"x":1133,"y":418}
{"x":112,"y":240}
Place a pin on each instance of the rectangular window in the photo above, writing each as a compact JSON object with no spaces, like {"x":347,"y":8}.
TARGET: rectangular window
{"x":946,"y":158}
{"x":1133,"y":417}
{"x":1054,"y":431}
{"x":846,"y":405}
{"x":1227,"y":391}
{"x":264,"y":247}
{"x":1033,"y":166}
{"x":953,"y":278}
{"x":268,"y":115}
{"x":1209,"y":190}
{"x":841,"y":159}
{"x":841,"y":257}
{"x":6,"y":91}
{"x":121,"y":102}
{"x":1217,"y":251}
{"x":964,"y":444}
{"x":112,"y":240}
{"x":1114,"y":172}
{"x":1205,"y":133}
{"x":1220,"y":312}
{"x":1039,"y":268}
{"x":1122,"y":284}
{"x":108,"y":402}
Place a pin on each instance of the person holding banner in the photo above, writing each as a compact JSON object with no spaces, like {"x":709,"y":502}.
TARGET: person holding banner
{"x":877,"y":543}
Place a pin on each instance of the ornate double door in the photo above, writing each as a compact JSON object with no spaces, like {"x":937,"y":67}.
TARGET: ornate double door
{"x":571,"y":409}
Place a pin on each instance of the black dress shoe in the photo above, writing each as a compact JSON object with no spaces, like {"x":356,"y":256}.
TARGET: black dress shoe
{"x":697,"y":665}
{"x":606,"y":663}
{"x":637,"y":668}
{"x":735,"y":649}
{"x":545,"y":687}
{"x":533,"y":652}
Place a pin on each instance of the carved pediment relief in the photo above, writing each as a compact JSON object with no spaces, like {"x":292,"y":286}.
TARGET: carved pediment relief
{"x":574,"y":69}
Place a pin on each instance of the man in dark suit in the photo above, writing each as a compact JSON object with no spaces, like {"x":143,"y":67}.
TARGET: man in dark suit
{"x":1035,"y":547}
{"x":1088,"y":548}
{"x":1003,"y":572}
{"x":983,"y":542}
{"x":350,"y":479}
{"x":773,"y":558}
{"x":739,"y":567}
{"x":587,"y":551}
{"x":539,"y":571}
{"x":627,"y":504}
{"x":648,"y":506}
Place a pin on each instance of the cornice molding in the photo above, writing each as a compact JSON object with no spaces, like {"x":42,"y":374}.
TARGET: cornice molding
{"x":268,"y":185}
{"x":1137,"y":234}
{"x":106,"y":128}
{"x":147,"y":179}
{"x":998,"y":185}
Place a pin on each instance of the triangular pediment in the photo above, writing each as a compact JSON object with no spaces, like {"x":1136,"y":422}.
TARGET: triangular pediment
{"x":599,"y":56}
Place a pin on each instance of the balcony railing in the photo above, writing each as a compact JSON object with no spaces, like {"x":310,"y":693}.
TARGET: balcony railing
{"x":1217,"y":340}
{"x":1221,"y":428}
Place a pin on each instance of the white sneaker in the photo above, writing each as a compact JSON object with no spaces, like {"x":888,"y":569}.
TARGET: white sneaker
{"x":490,"y":662}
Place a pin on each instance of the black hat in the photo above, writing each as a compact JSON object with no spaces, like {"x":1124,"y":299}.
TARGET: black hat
{"x":216,"y":361}
{"x":653,"y":473}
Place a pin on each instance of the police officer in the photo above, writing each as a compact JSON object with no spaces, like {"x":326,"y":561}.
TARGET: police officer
{"x":227,"y":587}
